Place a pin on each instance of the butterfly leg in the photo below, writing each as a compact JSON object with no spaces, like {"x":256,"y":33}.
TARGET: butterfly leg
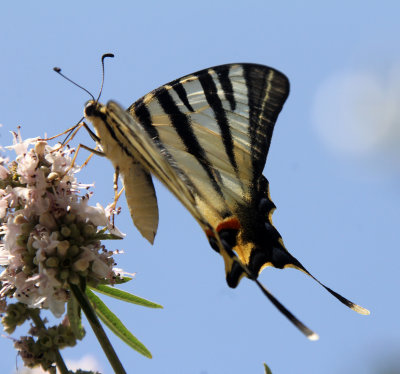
{"x":117,"y":194}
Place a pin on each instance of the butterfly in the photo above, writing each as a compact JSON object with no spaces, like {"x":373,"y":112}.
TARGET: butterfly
{"x":206,"y":137}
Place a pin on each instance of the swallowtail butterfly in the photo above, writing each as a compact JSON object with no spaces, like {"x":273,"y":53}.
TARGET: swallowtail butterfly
{"x":206,"y":137}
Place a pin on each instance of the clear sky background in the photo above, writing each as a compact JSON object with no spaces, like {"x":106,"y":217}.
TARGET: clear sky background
{"x":333,"y":168}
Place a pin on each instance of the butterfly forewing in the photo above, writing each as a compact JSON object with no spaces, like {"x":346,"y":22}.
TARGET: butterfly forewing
{"x":203,"y":120}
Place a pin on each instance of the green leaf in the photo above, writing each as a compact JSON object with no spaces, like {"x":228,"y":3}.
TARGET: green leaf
{"x":124,"y":296}
{"x":101,"y":236}
{"x":122,"y":280}
{"x":267,"y":369}
{"x":115,"y":324}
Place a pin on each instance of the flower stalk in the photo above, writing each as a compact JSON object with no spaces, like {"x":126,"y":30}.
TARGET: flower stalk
{"x":58,"y":358}
{"x":98,"y":329}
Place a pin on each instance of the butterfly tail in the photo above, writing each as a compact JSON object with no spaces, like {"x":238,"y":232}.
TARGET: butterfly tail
{"x":303,"y":328}
{"x":283,"y":259}
{"x":237,"y":270}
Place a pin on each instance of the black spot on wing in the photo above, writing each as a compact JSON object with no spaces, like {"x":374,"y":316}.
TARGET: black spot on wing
{"x":210,"y":92}
{"x":184,"y":129}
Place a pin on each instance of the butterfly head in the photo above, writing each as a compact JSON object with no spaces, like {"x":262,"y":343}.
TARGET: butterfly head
{"x":92,"y":109}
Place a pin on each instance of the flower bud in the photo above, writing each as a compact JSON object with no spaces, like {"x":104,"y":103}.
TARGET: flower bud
{"x":88,"y":230}
{"x":73,"y":250}
{"x":27,"y":269}
{"x":73,"y":278}
{"x":21,"y":241}
{"x":64,"y":274}
{"x":62,"y":248}
{"x":65,"y":231}
{"x":45,"y":341}
{"x":40,"y":147}
{"x":46,"y":219}
{"x":74,"y":230}
{"x":29,"y":245}
{"x":45,"y":170}
{"x":59,"y":341}
{"x":20,"y":219}
{"x":53,"y":176}
{"x":69,"y":218}
{"x":26,"y":228}
{"x":27,"y":257}
{"x":80,"y":265}
{"x":52,"y":262}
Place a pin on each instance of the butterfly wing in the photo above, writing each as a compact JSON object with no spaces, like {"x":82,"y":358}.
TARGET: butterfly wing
{"x":216,"y":126}
{"x":141,"y":198}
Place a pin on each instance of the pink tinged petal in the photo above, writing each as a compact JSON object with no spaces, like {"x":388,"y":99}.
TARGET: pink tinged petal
{"x":21,"y":147}
{"x":57,"y":307}
{"x":3,"y":172}
{"x":100,"y":268}
{"x":4,"y":258}
{"x":123,"y":273}
{"x":19,"y":195}
{"x":27,"y":165}
{"x":114,"y":230}
{"x":10,"y":239}
{"x":40,"y":256}
{"x":3,"y":208}
{"x":96,"y":215}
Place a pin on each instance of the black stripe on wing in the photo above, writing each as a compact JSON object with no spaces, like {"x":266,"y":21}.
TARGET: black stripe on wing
{"x":267,"y":91}
{"x":226,"y":84}
{"x":181,"y":92}
{"x":141,"y":111}
{"x":183,"y":127}
{"x":211,"y":94}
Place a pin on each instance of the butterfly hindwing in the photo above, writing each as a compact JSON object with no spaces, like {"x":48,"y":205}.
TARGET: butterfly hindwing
{"x":141,"y":199}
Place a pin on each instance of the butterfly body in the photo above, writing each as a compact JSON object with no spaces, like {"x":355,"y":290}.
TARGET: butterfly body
{"x":206,"y":137}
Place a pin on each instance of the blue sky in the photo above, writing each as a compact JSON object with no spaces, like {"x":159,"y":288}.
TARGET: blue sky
{"x":333,"y":170}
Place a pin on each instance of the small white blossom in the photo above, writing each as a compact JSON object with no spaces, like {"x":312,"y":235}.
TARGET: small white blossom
{"x":48,"y":229}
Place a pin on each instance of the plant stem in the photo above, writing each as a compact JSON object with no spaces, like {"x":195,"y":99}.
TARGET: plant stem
{"x":98,"y":329}
{"x":34,"y":314}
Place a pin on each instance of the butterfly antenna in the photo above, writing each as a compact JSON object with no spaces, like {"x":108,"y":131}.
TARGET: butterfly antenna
{"x":102,"y":65}
{"x":58,"y":71}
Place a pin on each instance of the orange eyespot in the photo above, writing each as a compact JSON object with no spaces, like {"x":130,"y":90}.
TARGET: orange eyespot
{"x":231,"y":223}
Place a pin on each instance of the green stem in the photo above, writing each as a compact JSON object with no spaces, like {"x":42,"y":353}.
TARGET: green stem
{"x":34,"y":314}
{"x":98,"y":329}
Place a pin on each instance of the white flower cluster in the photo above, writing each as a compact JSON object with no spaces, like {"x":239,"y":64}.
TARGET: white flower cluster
{"x":49,"y":234}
